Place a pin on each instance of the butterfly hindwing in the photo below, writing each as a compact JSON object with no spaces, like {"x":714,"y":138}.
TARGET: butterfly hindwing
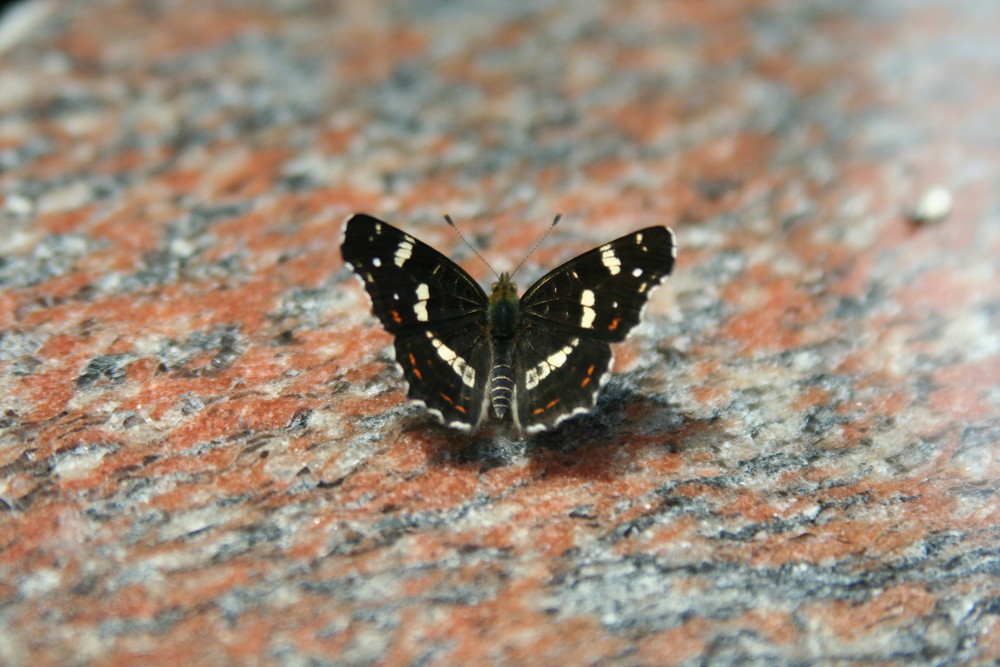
{"x":446,"y":373}
{"x":436,"y":312}
{"x":558,"y":376}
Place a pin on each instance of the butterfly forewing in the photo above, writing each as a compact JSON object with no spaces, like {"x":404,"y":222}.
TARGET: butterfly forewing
{"x":436,"y":312}
{"x":411,"y":284}
{"x":602,"y":293}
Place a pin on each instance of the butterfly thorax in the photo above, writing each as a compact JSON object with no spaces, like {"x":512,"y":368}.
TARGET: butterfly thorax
{"x":504,"y":317}
{"x":504,"y":308}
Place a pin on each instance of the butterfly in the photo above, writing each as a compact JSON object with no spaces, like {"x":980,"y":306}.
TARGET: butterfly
{"x":538,"y":359}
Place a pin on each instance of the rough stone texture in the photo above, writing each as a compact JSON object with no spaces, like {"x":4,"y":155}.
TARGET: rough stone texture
{"x":206,"y":458}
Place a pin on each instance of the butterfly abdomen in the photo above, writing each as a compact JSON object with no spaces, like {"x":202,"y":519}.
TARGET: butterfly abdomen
{"x":501,"y":379}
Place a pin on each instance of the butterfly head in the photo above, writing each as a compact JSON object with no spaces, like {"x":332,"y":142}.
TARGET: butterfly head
{"x":503,"y":285}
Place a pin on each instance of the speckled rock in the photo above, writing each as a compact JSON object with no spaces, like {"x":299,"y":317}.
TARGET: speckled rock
{"x":205,"y":454}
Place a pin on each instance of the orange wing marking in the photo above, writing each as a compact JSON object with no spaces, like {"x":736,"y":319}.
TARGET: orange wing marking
{"x":550,"y":404}
{"x":416,"y":371}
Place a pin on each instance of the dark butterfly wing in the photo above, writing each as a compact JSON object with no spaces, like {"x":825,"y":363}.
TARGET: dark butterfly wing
{"x":602,"y":293}
{"x":448,"y":378}
{"x":393,"y":266}
{"x":435,"y":311}
{"x":558,"y":376}
{"x":570,"y":317}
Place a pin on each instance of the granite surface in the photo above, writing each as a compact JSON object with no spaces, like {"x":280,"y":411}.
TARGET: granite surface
{"x":206,"y":456}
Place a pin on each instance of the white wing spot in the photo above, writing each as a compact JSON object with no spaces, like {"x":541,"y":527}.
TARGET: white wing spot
{"x":610,"y":261}
{"x":447,"y":354}
{"x":555,"y":360}
{"x":420,"y":307}
{"x":636,"y":272}
{"x":587,"y":300}
{"x":403,"y":252}
{"x":468,"y":375}
{"x":457,"y":363}
{"x":638,"y":239}
{"x":376,"y":262}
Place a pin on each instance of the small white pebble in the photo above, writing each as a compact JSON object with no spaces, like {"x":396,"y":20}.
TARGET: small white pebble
{"x":933,"y":206}
{"x":18,"y":205}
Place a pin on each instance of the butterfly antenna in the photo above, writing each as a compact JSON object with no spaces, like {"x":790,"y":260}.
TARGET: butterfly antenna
{"x":466,"y":241}
{"x":535,"y":247}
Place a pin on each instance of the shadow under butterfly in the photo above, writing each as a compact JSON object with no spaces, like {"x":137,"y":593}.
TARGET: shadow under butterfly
{"x":536,"y":360}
